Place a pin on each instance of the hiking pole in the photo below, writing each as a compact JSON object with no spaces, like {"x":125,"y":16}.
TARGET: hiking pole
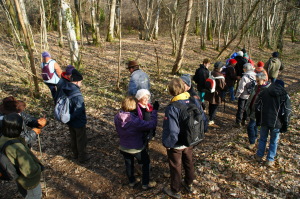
{"x":43,"y":176}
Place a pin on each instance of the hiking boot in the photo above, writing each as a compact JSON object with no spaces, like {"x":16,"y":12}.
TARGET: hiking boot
{"x":257,"y":158}
{"x":132,"y":184}
{"x":251,"y":146}
{"x":270,"y":163}
{"x":189,"y":188}
{"x":151,"y":185}
{"x":211,"y":122}
{"x":170,"y":193}
{"x":84,"y":159}
{"x":243,"y":123}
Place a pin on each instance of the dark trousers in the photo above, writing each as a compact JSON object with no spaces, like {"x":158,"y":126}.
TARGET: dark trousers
{"x":241,"y":113}
{"x":142,"y":158}
{"x":52,"y":88}
{"x":212,"y":110}
{"x":78,"y":142}
{"x":178,"y":157}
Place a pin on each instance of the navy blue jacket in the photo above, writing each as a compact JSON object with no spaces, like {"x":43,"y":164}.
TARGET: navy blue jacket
{"x":77,"y":107}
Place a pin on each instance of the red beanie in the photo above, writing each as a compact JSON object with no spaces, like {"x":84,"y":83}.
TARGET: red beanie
{"x":232,"y":61}
{"x":260,"y":64}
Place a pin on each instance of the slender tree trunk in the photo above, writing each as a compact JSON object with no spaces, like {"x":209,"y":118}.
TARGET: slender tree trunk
{"x":220,"y":24}
{"x":179,"y":58}
{"x":203,"y":41}
{"x":44,"y":40}
{"x":283,"y":26}
{"x":95,"y":24}
{"x":120,"y":45}
{"x":117,"y":15}
{"x":197,"y":18}
{"x":73,"y":45}
{"x":110,"y":34}
{"x":77,"y":21}
{"x":155,"y":29}
{"x":20,"y":6}
{"x":60,"y":26}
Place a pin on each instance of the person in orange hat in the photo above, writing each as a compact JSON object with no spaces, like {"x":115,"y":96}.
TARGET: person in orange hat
{"x":11,"y":105}
{"x":260,"y":68}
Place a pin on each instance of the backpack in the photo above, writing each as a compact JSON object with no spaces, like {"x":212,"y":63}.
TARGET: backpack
{"x":8,"y":171}
{"x":210,"y":83}
{"x":191,"y":124}
{"x":250,"y":86}
{"x":46,"y":74}
{"x":62,"y":108}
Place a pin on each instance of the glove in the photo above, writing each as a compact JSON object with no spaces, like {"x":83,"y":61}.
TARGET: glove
{"x":283,"y":129}
{"x":37,"y":131}
{"x":156,"y":105}
{"x":42,"y":122}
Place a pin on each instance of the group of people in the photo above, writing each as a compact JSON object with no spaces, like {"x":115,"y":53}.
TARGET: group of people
{"x":261,"y":97}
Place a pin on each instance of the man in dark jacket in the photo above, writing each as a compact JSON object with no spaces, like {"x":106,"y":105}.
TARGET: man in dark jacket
{"x":273,"y":110}
{"x":201,"y":74}
{"x":239,"y":65}
{"x":273,"y":66}
{"x":77,"y":123}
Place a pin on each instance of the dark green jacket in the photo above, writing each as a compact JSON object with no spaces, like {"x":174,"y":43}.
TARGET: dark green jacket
{"x":26,"y":162}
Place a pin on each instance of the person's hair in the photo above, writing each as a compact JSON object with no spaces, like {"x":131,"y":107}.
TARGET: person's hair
{"x":12,"y":125}
{"x":176,"y":86}
{"x":128,"y":104}
{"x":261,"y":76}
{"x":248,"y":66}
{"x":134,"y":67}
{"x":206,"y":60}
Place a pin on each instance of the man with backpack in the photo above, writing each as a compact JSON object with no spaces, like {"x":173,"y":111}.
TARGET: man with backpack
{"x":201,"y":74}
{"x":177,"y":131}
{"x":230,"y":77}
{"x":138,"y":78}
{"x":273,"y":66}
{"x":239,"y":65}
{"x":273,"y":111}
{"x":77,"y":123}
{"x":245,"y":87}
{"x":51,"y":72}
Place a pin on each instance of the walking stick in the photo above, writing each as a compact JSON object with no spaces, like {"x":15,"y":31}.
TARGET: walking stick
{"x":43,"y":176}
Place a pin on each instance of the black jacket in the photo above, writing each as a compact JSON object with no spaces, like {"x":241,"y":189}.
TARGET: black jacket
{"x":200,"y":77}
{"x":273,"y":107}
{"x":239,"y":65}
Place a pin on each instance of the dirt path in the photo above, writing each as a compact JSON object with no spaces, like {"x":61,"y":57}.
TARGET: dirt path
{"x":224,"y":167}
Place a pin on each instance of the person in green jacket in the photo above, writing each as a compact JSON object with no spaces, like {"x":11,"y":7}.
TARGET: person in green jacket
{"x":21,"y":156}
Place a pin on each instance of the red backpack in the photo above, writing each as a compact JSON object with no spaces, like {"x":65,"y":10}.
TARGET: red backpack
{"x":46,"y":74}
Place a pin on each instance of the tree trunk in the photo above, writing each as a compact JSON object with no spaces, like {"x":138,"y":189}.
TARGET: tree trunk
{"x":283,"y":26}
{"x":95,"y":24}
{"x":120,"y":45}
{"x":20,"y":6}
{"x":179,"y":59}
{"x":203,"y":41}
{"x":197,"y":18}
{"x":220,"y":24}
{"x":60,"y":26}
{"x":110,"y":34}
{"x":71,"y":35}
{"x":77,"y":21}
{"x":44,"y":40}
{"x":155,"y":29}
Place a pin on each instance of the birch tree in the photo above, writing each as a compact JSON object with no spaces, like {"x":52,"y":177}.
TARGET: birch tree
{"x":71,"y":35}
{"x":111,"y":25}
{"x":178,"y":62}
{"x":44,"y":40}
{"x":60,"y":25}
{"x":204,"y":26}
{"x":95,"y":23}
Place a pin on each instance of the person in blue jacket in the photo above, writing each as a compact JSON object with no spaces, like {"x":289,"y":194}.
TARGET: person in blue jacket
{"x":138,"y":78}
{"x":77,"y":123}
{"x":177,"y":154}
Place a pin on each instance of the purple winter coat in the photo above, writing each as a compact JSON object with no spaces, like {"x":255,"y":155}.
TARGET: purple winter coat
{"x":131,"y":128}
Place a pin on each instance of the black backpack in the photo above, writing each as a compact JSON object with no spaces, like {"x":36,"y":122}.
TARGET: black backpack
{"x":250,"y":86}
{"x":8,"y":171}
{"x":191,"y":124}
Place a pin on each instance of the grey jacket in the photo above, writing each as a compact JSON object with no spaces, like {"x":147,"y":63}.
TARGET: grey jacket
{"x":139,"y":80}
{"x":244,"y":82}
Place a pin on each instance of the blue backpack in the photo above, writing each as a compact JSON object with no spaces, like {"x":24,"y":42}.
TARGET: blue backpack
{"x":62,"y":107}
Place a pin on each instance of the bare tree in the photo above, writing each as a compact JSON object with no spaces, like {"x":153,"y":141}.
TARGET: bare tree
{"x":60,"y":25}
{"x":178,"y":62}
{"x":204,"y":27}
{"x":44,"y":40}
{"x":120,"y":44}
{"x":71,"y":35}
{"x":95,"y":23}
{"x":111,"y":25}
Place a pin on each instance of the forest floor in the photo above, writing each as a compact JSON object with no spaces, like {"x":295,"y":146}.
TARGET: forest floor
{"x":224,"y":167}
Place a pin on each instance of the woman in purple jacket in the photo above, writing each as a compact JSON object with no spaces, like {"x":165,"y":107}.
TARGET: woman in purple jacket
{"x":131,"y":129}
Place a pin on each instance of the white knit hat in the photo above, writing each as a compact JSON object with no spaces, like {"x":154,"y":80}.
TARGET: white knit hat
{"x":141,"y":93}
{"x":240,"y":53}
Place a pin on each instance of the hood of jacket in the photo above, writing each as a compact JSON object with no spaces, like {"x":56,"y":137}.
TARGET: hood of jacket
{"x":276,"y":90}
{"x":123,"y":118}
{"x":182,"y":96}
{"x":275,"y":60}
{"x":69,"y":88}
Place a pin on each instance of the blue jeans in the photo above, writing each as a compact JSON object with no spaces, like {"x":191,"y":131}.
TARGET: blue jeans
{"x":142,"y":158}
{"x":201,"y":95}
{"x":274,"y":137}
{"x":231,"y":93}
{"x":252,"y":131}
